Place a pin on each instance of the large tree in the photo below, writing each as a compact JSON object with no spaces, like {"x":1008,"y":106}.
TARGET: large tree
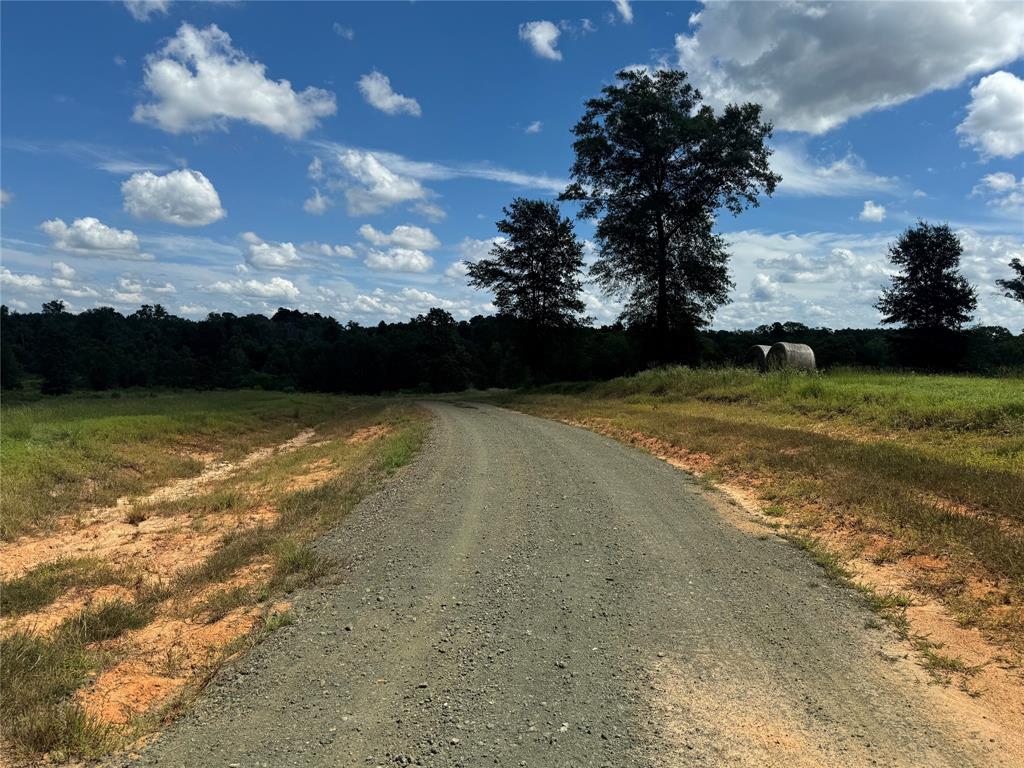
{"x":928,"y":293}
{"x":534,"y":272}
{"x":1014,"y":287}
{"x":654,"y":165}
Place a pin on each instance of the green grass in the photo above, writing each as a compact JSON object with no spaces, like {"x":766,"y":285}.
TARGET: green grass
{"x":45,"y":583}
{"x":61,"y":455}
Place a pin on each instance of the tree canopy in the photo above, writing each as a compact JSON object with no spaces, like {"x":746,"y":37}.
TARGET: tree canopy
{"x":928,"y":292}
{"x":534,"y":272}
{"x":1014,"y":286}
{"x":654,"y":165}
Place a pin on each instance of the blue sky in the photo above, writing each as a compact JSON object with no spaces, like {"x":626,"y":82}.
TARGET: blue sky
{"x":346,"y":158}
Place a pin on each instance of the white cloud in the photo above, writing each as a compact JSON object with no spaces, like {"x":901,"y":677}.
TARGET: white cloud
{"x":404,"y":235}
{"x":185,"y":197}
{"x":542,"y":37}
{"x":398,"y":260}
{"x":25,"y":282}
{"x":63,"y":271}
{"x":376,"y":89}
{"x":141,"y":10}
{"x":430,"y":211}
{"x":472,"y":250}
{"x":269,"y":255}
{"x":200,"y":81}
{"x":275,"y":288}
{"x":763,"y":288}
{"x":344,"y":32}
{"x":317,"y":204}
{"x":376,"y":186}
{"x":89,"y":236}
{"x":328,"y":250}
{"x":374,"y":181}
{"x":815,"y":66}
{"x":872,"y":212}
{"x":193,"y":310}
{"x":1002,"y":190}
{"x":625,"y":10}
{"x":995,"y":117}
{"x":535,"y":127}
{"x":847,"y":176}
{"x":5,"y":198}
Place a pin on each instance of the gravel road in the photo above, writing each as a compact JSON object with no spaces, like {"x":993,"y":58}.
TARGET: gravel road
{"x":530,"y":594}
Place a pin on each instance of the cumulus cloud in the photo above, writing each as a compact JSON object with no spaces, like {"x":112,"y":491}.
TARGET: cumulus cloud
{"x":316,"y":204}
{"x":404,"y":235}
{"x":26,"y":282}
{"x":763,"y":288}
{"x":5,"y":198}
{"x":142,"y":10}
{"x":430,"y":211}
{"x":995,"y":117}
{"x":375,"y":186}
{"x":815,"y":66}
{"x":625,"y":10}
{"x":470,"y":250}
{"x":398,"y":260}
{"x":346,"y":33}
{"x":200,"y":81}
{"x":185,"y":197}
{"x":542,"y":37}
{"x":1002,"y":190}
{"x":374,"y":181}
{"x":376,"y":89}
{"x":275,"y":288}
{"x":872,"y":212}
{"x":802,"y":175}
{"x":89,"y":236}
{"x":269,"y":255}
{"x":535,"y":127}
{"x":328,"y":250}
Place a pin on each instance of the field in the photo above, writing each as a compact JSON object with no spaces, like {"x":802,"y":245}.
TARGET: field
{"x":149,"y":537}
{"x":911,"y":485}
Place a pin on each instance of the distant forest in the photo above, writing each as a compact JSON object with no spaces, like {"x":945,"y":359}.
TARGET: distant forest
{"x":102,"y":349}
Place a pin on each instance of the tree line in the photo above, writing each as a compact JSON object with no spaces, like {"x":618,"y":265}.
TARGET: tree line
{"x":102,"y":349}
{"x":654,"y":167}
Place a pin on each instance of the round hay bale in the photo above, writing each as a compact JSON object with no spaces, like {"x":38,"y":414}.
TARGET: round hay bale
{"x":796,"y":356}
{"x":757,"y":356}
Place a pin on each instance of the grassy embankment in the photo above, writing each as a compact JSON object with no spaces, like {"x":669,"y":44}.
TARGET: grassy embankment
{"x":883,"y":468}
{"x":130,"y":620}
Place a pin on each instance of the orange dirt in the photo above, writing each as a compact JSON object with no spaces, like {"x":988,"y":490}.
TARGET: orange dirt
{"x":317,"y":473}
{"x":160,"y":660}
{"x":160,"y":545}
{"x":77,"y":599}
{"x":366,"y":434}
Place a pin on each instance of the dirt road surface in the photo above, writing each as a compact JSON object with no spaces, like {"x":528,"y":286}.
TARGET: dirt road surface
{"x":530,"y":594}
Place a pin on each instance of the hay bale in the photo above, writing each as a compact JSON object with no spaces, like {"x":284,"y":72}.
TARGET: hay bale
{"x":757,"y":356}
{"x":785,"y":355}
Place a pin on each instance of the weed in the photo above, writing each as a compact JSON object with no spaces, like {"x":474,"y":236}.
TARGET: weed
{"x":276,"y":620}
{"x":45,"y":583}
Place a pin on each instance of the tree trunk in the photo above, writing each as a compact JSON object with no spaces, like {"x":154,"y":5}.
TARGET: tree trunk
{"x":661,"y":319}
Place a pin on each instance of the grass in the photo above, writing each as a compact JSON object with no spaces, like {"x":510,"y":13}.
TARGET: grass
{"x":62,"y":455}
{"x":45,"y":583}
{"x":96,"y":440}
{"x":927,"y":465}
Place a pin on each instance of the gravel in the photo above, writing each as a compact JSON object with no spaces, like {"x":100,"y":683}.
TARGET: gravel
{"x":530,"y":594}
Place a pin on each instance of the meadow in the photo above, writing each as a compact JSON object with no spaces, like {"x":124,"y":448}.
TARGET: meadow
{"x":150,"y":537}
{"x":923,"y":474}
